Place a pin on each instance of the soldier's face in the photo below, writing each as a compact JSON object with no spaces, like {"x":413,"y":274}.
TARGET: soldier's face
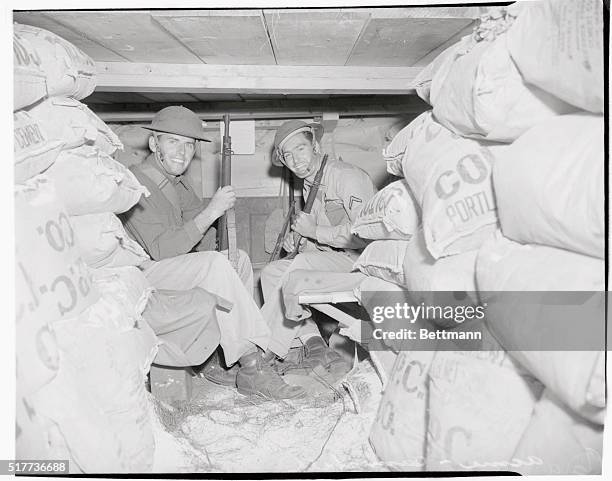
{"x":176,"y":152}
{"x":298,"y":155}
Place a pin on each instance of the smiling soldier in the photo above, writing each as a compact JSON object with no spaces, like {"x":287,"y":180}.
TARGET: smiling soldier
{"x":327,"y":243}
{"x":169,"y":224}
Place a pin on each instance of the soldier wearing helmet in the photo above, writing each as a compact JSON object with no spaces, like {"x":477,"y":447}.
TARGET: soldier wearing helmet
{"x":173,"y":220}
{"x":169,"y":224}
{"x":327,"y":243}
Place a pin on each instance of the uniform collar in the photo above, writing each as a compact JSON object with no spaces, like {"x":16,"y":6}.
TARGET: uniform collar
{"x":152,"y":161}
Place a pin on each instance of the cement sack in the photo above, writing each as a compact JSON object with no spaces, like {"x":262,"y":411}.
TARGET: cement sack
{"x":33,"y":149}
{"x":557,"y":441}
{"x":71,"y":121}
{"x":132,"y":135}
{"x":36,"y":437}
{"x":135,"y":141}
{"x":558,"y":46}
{"x":100,"y":389}
{"x":51,"y":280}
{"x":105,"y":243}
{"x":490,"y":25}
{"x":480,"y":402}
{"x":423,"y":273}
{"x":571,"y":374}
{"x":549,"y":185}
{"x":390,"y":214}
{"x":130,"y":156}
{"x":496,"y":21}
{"x":383,"y":259}
{"x":127,"y":287}
{"x":68,"y":71}
{"x":484,"y":96}
{"x":431,"y":78}
{"x":450,"y":178}
{"x":29,"y":80}
{"x":408,"y":142}
{"x":91,"y":182}
{"x":398,"y":435}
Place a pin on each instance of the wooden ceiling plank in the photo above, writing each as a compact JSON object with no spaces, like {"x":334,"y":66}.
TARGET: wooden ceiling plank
{"x":177,"y":97}
{"x":314,"y":37}
{"x":92,"y":48}
{"x":97,"y":98}
{"x":221,"y":39}
{"x":428,"y":12}
{"x":117,"y":98}
{"x":133,"y":34}
{"x":247,"y":79}
{"x":234,"y":12}
{"x":214,"y":97}
{"x":402,"y":41}
{"x":430,"y":56}
{"x":357,"y":40}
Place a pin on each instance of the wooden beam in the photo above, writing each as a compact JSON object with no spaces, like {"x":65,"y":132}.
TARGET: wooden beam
{"x":249,"y":79}
{"x":351,"y":106}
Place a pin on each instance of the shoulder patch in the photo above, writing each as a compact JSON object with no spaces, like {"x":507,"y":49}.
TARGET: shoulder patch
{"x":354,"y":200}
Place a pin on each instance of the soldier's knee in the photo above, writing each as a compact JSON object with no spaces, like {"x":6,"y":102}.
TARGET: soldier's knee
{"x":216,"y":259}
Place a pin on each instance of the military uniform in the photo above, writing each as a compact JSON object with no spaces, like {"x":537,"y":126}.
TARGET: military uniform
{"x":163,"y":225}
{"x":343,"y":191}
{"x":163,"y":222}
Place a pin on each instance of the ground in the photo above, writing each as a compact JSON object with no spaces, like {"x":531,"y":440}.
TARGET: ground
{"x":222,"y":431}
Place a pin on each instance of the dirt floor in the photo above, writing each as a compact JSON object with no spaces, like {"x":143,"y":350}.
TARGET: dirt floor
{"x":222,"y":431}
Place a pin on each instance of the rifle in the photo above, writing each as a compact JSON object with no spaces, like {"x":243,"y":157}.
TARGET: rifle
{"x":281,"y":235}
{"x":227,"y":222}
{"x":309,"y":202}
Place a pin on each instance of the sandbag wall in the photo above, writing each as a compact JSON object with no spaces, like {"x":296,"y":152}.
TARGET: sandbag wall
{"x":502,"y":190}
{"x":83,"y":349}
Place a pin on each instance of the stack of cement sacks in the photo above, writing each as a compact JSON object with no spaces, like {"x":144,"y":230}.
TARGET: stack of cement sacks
{"x":501,"y":190}
{"x":83,"y":349}
{"x":135,"y":140}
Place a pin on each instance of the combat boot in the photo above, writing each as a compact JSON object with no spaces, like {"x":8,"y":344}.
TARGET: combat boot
{"x":256,"y":377}
{"x":314,"y":352}
{"x":217,"y":373}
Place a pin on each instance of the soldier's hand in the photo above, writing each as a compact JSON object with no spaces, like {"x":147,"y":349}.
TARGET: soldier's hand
{"x":223,"y":200}
{"x":289,"y":242}
{"x":305,"y":224}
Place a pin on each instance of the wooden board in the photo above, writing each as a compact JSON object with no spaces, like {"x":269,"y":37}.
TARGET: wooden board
{"x":221,"y":37}
{"x":402,"y":41}
{"x":213,"y":97}
{"x":314,"y":37}
{"x":251,"y":79}
{"x":176,"y":97}
{"x":133,"y":35}
{"x":116,"y":98}
{"x":90,"y":47}
{"x":440,"y":12}
{"x":290,"y":108}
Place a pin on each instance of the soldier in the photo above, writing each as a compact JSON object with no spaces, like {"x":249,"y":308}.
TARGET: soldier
{"x":169,"y":223}
{"x":327,"y":243}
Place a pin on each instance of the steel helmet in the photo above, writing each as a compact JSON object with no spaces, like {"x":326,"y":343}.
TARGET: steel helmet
{"x":178,"y":120}
{"x":288,"y":129}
